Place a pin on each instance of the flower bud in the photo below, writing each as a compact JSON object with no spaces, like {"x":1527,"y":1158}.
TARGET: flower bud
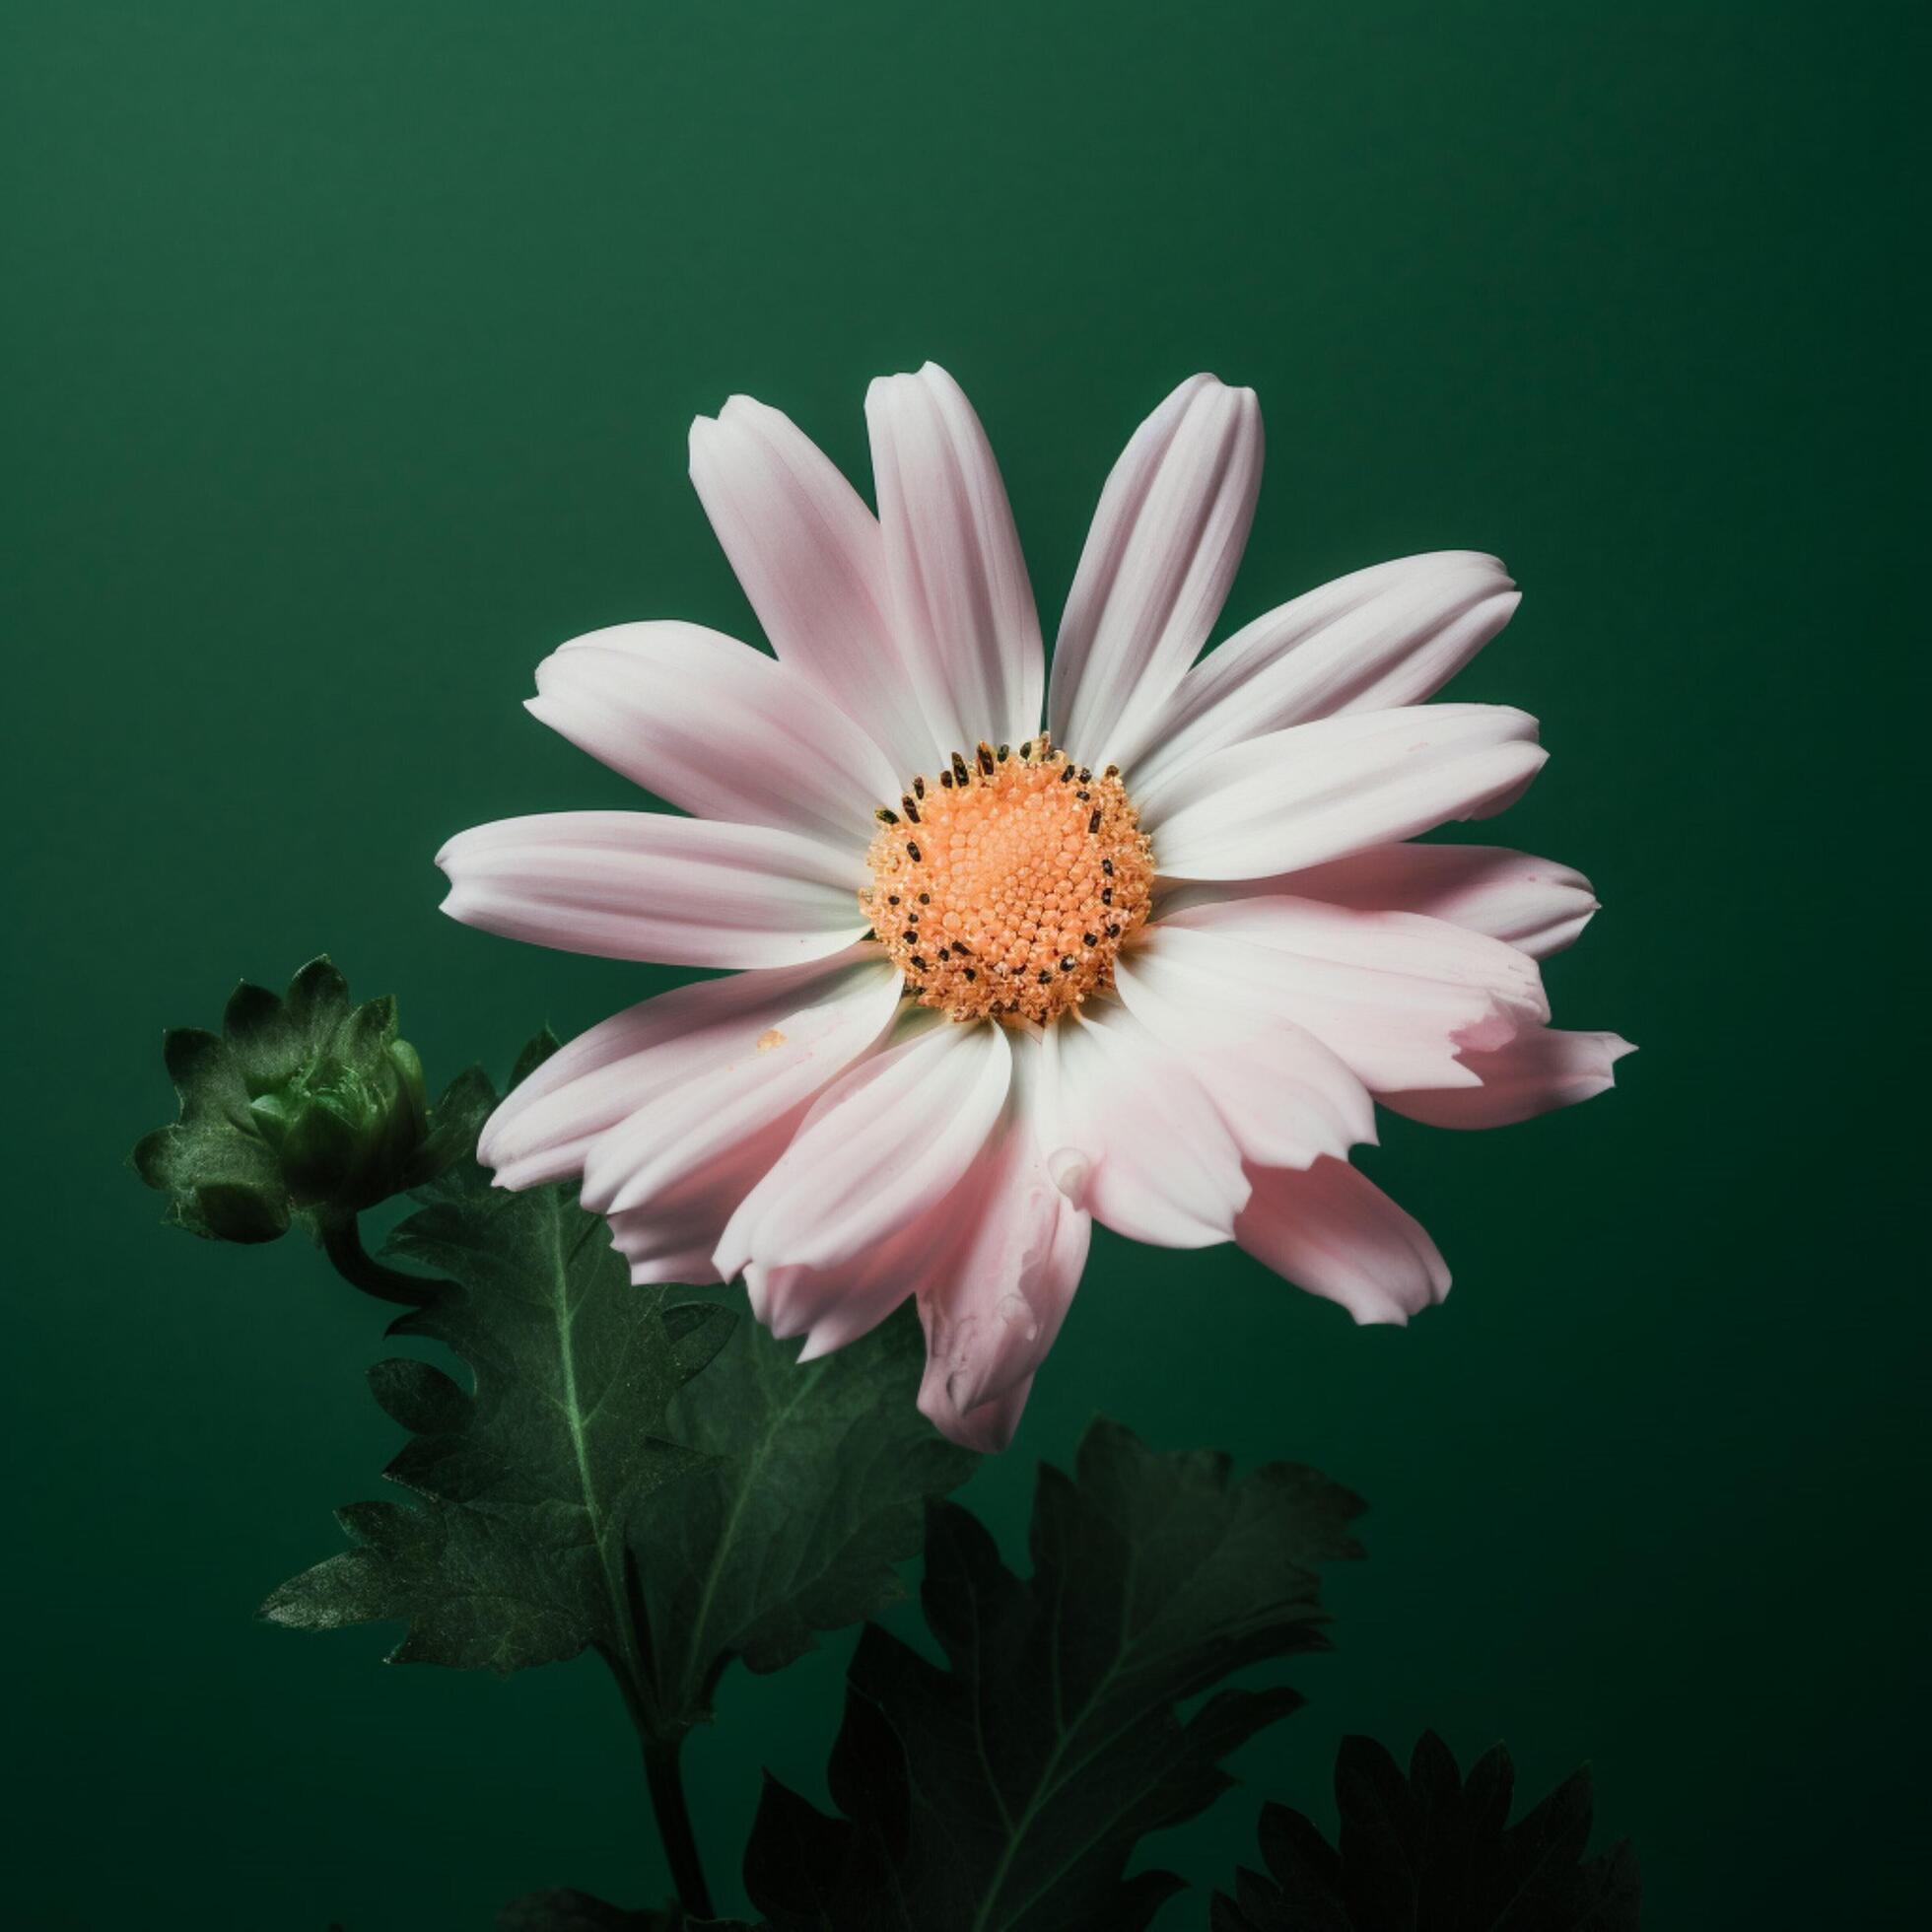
{"x":303,"y":1107}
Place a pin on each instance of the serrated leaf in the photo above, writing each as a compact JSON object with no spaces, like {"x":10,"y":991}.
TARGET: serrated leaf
{"x":1427,"y":1849}
{"x":1007,"y":1791}
{"x":529,"y":1482}
{"x":818,"y":1478}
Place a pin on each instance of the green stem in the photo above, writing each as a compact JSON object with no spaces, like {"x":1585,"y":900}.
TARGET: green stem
{"x":666,"y":1783}
{"x":342,"y":1243}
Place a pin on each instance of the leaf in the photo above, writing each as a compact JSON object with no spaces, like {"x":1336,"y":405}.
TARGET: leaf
{"x":562,"y":1910}
{"x":530,"y":1484}
{"x":551,"y":1519}
{"x":1007,"y":1791}
{"x":1432,"y":1851}
{"x":814,"y":1490}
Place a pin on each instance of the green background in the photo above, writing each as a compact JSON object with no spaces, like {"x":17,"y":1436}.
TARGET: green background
{"x":350,"y":352}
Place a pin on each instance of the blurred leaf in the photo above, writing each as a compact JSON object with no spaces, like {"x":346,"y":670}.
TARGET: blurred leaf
{"x":1430,"y":1851}
{"x":1007,"y":1791}
{"x":565,"y":1911}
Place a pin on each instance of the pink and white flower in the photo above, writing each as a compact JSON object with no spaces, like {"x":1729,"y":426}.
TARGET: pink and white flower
{"x":1154,"y":963}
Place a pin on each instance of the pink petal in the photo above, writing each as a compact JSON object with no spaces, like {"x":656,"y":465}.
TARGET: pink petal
{"x":1378,"y":639}
{"x":645,"y":885}
{"x":716,"y":729}
{"x":1287,"y":1097}
{"x":1541,"y":1070}
{"x":1329,"y":1229}
{"x":1535,"y":905}
{"x":1132,"y":1136}
{"x":747,"y":1081}
{"x":708,"y":1034}
{"x":993,"y":1310}
{"x":1160,"y":557}
{"x":1317,"y":791}
{"x":961,"y":604}
{"x":812,"y":563}
{"x":885,"y":1142}
{"x":1396,"y":995}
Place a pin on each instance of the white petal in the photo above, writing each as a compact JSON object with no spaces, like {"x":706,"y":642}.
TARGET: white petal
{"x":1132,"y":1136}
{"x":716,"y":729}
{"x":1396,"y":997}
{"x":1159,"y":559}
{"x":1317,"y":791}
{"x":645,"y":885}
{"x":752,"y":1079}
{"x":1374,"y":641}
{"x":993,"y":1309}
{"x":1533,"y":904}
{"x":1329,"y":1229}
{"x":1286,"y":1096}
{"x":710,"y":1033}
{"x":963,"y":607}
{"x":1541,"y":1070}
{"x":672,"y":1237}
{"x":888,"y":1140}
{"x":812,"y":563}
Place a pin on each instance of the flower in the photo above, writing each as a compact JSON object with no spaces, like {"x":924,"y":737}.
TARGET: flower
{"x":1150,"y":964}
{"x":303,"y":1107}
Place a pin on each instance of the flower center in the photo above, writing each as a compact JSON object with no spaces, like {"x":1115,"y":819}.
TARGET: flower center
{"x":1009,"y":886}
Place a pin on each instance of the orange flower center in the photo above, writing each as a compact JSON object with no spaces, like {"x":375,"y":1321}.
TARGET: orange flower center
{"x":1010,"y":885}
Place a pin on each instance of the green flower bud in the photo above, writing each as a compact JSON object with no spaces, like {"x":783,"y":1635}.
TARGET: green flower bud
{"x":301,"y":1108}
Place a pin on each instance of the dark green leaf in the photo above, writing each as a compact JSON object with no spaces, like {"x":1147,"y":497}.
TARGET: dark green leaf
{"x":530,"y":1484}
{"x":1434,"y":1852}
{"x":816,"y":1490}
{"x":1007,"y":1791}
{"x":566,"y":1911}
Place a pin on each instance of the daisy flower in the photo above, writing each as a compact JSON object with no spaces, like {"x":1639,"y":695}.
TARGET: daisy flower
{"x":1148,"y":952}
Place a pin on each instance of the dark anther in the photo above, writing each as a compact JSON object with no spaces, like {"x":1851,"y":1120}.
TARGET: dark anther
{"x":1106,"y":895}
{"x":1046,"y":979}
{"x":945,"y":779}
{"x":1026,"y":752}
{"x":1112,"y":771}
{"x":1113,"y":932}
{"x":1086,"y":775}
{"x":919,"y":788}
{"x":1001,"y":755}
{"x":919,"y":962}
{"x":970,"y":973}
{"x":1107,"y":867}
{"x":885,"y":815}
{"x":1093,"y":823}
{"x":1083,"y":794}
{"x":1088,"y":939}
{"x":985,"y":756}
{"x":1067,"y":965}
{"x":912,"y":852}
{"x":926,"y":898}
{"x":891,"y":898}
{"x":911,"y":809}
{"x":960,"y":775}
{"x":1066,"y":773}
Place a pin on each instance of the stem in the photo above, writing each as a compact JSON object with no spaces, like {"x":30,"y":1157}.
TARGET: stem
{"x":667,"y":1787}
{"x":660,"y":1773}
{"x":342,"y":1243}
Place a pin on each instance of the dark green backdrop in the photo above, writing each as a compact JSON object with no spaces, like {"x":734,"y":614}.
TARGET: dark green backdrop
{"x":351,"y":350}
